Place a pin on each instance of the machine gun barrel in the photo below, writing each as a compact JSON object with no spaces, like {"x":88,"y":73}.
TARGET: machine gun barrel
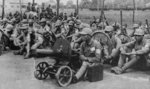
{"x":45,"y":51}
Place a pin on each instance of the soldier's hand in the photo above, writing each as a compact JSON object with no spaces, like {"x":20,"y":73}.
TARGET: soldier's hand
{"x":108,"y":57}
{"x":127,"y":54}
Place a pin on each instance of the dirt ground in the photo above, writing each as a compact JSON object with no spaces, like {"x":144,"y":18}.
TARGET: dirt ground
{"x":17,"y":73}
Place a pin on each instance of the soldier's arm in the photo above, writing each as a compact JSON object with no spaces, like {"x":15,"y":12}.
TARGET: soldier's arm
{"x":144,"y":50}
{"x":78,"y":40}
{"x":118,"y":42}
{"x":21,"y":35}
{"x":82,"y":57}
{"x":129,"y":44}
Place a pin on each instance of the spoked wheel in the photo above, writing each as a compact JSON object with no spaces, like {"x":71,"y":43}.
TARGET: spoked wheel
{"x":40,"y":72}
{"x":64,"y":76}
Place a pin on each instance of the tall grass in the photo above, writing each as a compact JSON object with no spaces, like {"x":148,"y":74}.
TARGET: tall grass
{"x":113,"y":16}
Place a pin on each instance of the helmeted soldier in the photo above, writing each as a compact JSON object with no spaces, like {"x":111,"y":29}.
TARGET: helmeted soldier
{"x":29,"y":7}
{"x":90,"y":53}
{"x":30,"y":38}
{"x":71,"y":28}
{"x":136,"y":51}
{"x":117,"y":41}
{"x":39,"y":34}
{"x":135,"y":26}
{"x":49,"y":9}
{"x":65,"y":16}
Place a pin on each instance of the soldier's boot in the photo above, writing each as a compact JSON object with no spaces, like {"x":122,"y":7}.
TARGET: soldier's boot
{"x":131,"y":63}
{"x":27,"y":56}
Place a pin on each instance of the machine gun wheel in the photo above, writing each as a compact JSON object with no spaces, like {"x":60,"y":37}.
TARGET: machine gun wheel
{"x":64,"y":76}
{"x":40,"y":72}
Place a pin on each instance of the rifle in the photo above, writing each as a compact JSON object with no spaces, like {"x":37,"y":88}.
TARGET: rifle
{"x":147,"y":26}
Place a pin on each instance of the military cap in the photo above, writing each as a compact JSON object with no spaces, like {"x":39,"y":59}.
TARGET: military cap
{"x":43,"y":20}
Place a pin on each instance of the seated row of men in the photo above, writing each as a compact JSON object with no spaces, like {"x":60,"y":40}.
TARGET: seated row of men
{"x":127,"y":51}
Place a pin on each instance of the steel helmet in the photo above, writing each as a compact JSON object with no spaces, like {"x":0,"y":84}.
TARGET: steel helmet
{"x":71,"y":23}
{"x":139,"y":32}
{"x":86,"y":31}
{"x":109,"y":28}
{"x":84,"y":25}
{"x":9,"y":27}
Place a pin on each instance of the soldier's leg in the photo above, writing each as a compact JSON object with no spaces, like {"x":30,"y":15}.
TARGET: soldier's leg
{"x":37,"y":44}
{"x":82,"y":70}
{"x":133,"y":61}
{"x":115,"y":57}
{"x":115,"y":52}
{"x":122,"y":60}
{"x":121,"y":63}
{"x":27,"y":50}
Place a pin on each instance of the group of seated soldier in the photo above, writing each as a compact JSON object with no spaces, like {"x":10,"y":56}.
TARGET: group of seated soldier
{"x":128,"y":50}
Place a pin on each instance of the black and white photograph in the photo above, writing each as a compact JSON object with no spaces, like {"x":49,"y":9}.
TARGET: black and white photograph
{"x":74,"y":44}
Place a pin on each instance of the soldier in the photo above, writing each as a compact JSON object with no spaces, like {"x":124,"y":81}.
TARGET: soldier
{"x":65,"y":16}
{"x":43,"y":14}
{"x":135,"y":26}
{"x":30,"y":39}
{"x":94,"y":26}
{"x":9,"y":30}
{"x":71,"y":28}
{"x":117,"y":41}
{"x":44,"y":27}
{"x":58,"y":27}
{"x":21,"y":40}
{"x":90,"y":53}
{"x":5,"y":23}
{"x":39,"y":36}
{"x":33,"y":8}
{"x":29,"y":7}
{"x":49,"y":9}
{"x":136,"y":51}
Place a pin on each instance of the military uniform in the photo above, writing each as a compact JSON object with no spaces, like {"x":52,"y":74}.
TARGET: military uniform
{"x":135,"y":51}
{"x":116,"y":42}
{"x":90,"y":53}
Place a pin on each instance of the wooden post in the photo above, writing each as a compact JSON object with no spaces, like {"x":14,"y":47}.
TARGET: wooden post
{"x":147,"y":26}
{"x":98,"y":5}
{"x":77,"y":7}
{"x":102,"y":12}
{"x":121,"y":18}
{"x":57,"y":7}
{"x":133,"y":19}
{"x":33,"y":2}
{"x":3,"y":9}
{"x":20,"y":8}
